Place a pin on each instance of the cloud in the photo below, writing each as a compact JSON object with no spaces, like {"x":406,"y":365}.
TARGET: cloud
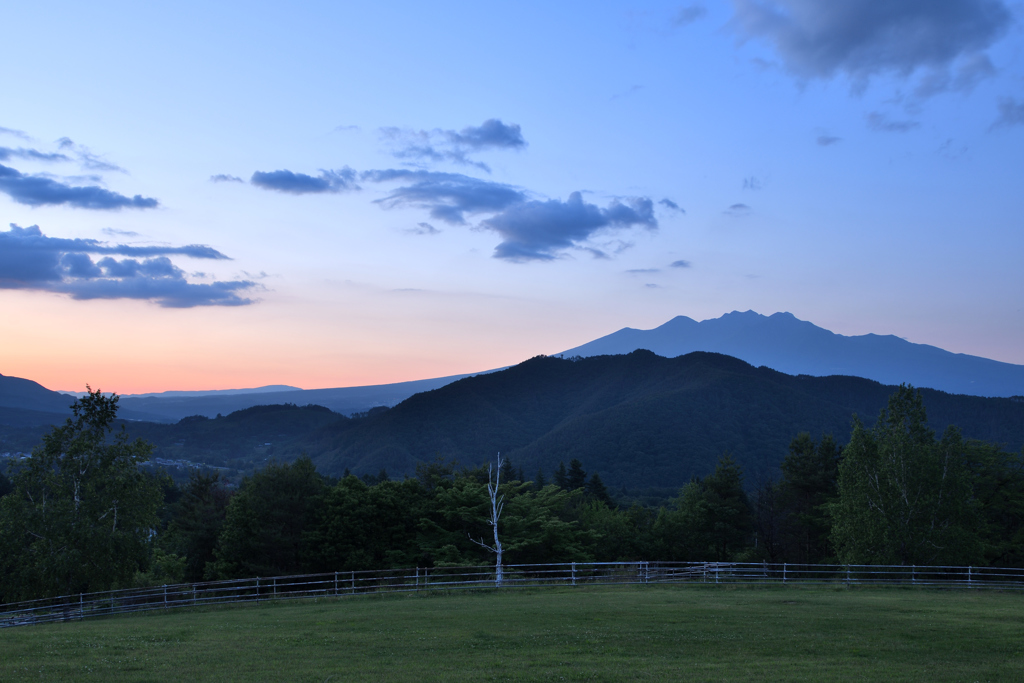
{"x":424,"y":229}
{"x":114,"y":232}
{"x":864,"y":38}
{"x":752,"y":183}
{"x":689,"y":14}
{"x":29,"y":260}
{"x":669,"y":204}
{"x":455,"y":146}
{"x":14,"y":133}
{"x":880,"y":122}
{"x":224,"y":178}
{"x":492,"y":133}
{"x":1011,"y":113}
{"x":449,"y":197}
{"x":827,"y":140}
{"x":7,"y":153}
{"x":679,"y":264}
{"x":531,"y":229}
{"x":643,"y":271}
{"x":86,"y":158}
{"x":40,"y":190}
{"x":537,"y":230}
{"x":300,"y":183}
{"x":738,"y":210}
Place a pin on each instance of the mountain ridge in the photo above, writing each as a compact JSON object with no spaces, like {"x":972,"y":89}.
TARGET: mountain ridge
{"x":785,"y":343}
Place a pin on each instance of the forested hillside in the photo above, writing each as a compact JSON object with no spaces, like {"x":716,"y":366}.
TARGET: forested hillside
{"x":639,"y":420}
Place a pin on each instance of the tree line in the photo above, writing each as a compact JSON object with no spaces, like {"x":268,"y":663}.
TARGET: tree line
{"x":80,"y":515}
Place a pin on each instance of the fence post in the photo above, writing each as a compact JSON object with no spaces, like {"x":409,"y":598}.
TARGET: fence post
{"x":574,"y":573}
{"x":335,"y":583}
{"x":257,"y":589}
{"x":417,"y":578}
{"x":81,"y":605}
{"x":193,"y":595}
{"x":165,"y":596}
{"x":783,"y":572}
{"x":968,"y":577}
{"x":913,"y":573}
{"x":353,"y":581}
{"x":275,"y":585}
{"x":847,"y":576}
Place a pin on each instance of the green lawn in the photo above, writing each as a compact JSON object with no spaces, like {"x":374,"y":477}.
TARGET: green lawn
{"x":605,"y":634}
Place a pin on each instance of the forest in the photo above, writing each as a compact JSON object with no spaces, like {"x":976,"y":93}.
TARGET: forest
{"x":81,"y":515}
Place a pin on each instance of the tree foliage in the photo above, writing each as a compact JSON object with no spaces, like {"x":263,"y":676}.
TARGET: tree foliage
{"x":904,"y":497}
{"x":81,"y":515}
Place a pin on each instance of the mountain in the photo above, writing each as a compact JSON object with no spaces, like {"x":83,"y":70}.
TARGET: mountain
{"x":787,"y":344}
{"x":171,"y":408}
{"x":639,"y":420}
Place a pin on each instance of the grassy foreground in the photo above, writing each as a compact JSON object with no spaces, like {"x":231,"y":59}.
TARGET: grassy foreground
{"x":604,"y":634}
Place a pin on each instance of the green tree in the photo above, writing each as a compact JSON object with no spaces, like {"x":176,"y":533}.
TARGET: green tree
{"x":5,"y":485}
{"x":726,"y":510}
{"x":808,"y":487}
{"x":904,"y":498}
{"x":371,"y":527}
{"x":561,"y":476}
{"x":596,"y":490}
{"x":576,"y":478}
{"x":198,"y":517}
{"x":81,"y":514}
{"x":998,"y":483}
{"x":265,"y":521}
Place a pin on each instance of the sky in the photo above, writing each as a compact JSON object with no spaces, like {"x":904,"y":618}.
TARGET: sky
{"x":227,"y":195}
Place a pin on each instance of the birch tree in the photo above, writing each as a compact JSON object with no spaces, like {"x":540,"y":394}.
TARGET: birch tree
{"x":904,"y":497}
{"x":81,"y":515}
{"x":497,"y":505}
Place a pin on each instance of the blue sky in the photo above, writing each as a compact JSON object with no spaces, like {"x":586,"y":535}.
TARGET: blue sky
{"x":330,"y":194}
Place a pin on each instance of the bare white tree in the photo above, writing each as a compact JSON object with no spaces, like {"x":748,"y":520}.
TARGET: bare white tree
{"x":497,"y":504}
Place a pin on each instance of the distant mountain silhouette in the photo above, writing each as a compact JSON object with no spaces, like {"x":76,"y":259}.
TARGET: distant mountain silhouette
{"x":639,"y":420}
{"x":346,"y":400}
{"x":796,"y":347}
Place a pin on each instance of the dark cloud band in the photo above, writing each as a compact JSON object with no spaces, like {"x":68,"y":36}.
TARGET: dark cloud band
{"x":39,"y":190}
{"x":861,"y":38}
{"x":300,"y":183}
{"x":30,"y":260}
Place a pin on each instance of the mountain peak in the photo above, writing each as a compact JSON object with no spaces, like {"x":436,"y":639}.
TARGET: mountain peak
{"x":783,"y":342}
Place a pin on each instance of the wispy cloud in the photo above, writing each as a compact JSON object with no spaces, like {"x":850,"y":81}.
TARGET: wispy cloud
{"x":424,"y":229}
{"x":738,"y":209}
{"x":680,"y":264}
{"x":1011,"y":113}
{"x":86,"y":158}
{"x":864,"y":38}
{"x":300,"y":183}
{"x":671,"y":205}
{"x":827,"y":140}
{"x":440,"y":145}
{"x":41,"y":190}
{"x":8,"y":153}
{"x":114,"y":232}
{"x":538,"y":230}
{"x":15,"y":133}
{"x":225,"y":178}
{"x":689,"y":14}
{"x":29,"y":260}
{"x":531,"y":230}
{"x":448,"y":197}
{"x":880,"y":122}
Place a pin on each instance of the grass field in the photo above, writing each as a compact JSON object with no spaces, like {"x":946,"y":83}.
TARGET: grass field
{"x":603,"y":634}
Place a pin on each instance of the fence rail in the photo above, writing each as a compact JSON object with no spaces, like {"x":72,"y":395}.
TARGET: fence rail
{"x":347,"y":583}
